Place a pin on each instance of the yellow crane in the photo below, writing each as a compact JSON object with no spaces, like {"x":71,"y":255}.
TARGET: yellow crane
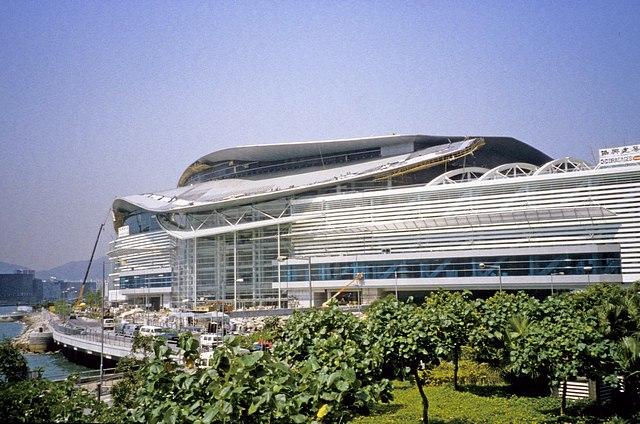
{"x":358,"y":278}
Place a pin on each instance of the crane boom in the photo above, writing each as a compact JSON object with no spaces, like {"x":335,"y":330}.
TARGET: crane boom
{"x":86,"y":273}
{"x":359,"y":277}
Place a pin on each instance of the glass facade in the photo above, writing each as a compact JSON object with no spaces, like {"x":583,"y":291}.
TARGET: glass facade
{"x":214,"y":267}
{"x":144,"y":281}
{"x":243,"y":169}
{"x":141,"y":223}
{"x":530,"y":265}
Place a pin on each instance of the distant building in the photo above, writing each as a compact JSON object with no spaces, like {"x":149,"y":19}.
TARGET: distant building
{"x":69,"y":290}
{"x":21,"y":287}
{"x":51,"y":290}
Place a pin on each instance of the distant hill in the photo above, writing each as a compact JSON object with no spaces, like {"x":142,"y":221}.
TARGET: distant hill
{"x":74,"y":271}
{"x":7,"y":268}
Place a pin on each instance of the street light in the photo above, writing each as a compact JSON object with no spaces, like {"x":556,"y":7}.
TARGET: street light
{"x":235,"y":292}
{"x":482,"y":265}
{"x":396,"y":275}
{"x":308,"y":258}
{"x":552,"y":274}
{"x":310,"y":289}
{"x":587,"y":269}
{"x":280,"y":259}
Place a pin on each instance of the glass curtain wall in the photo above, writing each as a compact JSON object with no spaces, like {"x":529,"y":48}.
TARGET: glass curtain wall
{"x":206,"y":268}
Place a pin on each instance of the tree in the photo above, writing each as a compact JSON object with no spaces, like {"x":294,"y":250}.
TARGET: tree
{"x":33,"y":401}
{"x":341,"y":366}
{"x":93,"y":299}
{"x":401,"y":332}
{"x":561,"y":344}
{"x":451,"y":317}
{"x":490,"y":336}
{"x":13,"y":366}
{"x":62,"y":309}
{"x":303,"y":329}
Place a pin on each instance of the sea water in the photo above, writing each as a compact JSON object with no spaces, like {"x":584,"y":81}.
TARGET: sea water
{"x":54,"y":365}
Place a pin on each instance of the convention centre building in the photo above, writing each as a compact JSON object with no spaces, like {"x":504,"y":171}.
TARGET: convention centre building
{"x":296,"y":223}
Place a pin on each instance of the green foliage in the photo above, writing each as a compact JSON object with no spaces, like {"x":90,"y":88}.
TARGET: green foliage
{"x":340,"y":366}
{"x":329,"y":385}
{"x":564,"y":343}
{"x":124,"y":391}
{"x":238,"y":388}
{"x":42,"y":401}
{"x":455,"y":407}
{"x":92,"y":299}
{"x":470,"y":373}
{"x":451,"y":316}
{"x":406,"y":337}
{"x":399,"y":330}
{"x":62,"y":309}
{"x":13,"y":366}
{"x":142,"y":344}
{"x":490,"y":336}
{"x":303,"y":329}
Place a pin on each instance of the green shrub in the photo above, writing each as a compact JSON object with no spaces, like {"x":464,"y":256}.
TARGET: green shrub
{"x":469,"y":373}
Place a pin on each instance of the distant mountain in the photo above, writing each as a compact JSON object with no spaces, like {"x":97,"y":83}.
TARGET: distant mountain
{"x":7,"y":268}
{"x":74,"y":271}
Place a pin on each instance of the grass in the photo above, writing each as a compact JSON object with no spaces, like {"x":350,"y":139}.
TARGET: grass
{"x":452,"y":407}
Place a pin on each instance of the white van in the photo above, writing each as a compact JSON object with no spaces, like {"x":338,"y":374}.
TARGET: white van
{"x":108,"y":324}
{"x":151,"y":330}
{"x":210,"y":339}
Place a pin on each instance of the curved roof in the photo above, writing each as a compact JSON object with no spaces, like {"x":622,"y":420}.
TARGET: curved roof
{"x":426,"y":151}
{"x":283,"y":151}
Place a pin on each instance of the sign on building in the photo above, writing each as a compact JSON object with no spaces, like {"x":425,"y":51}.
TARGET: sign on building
{"x":620,"y":155}
{"x":123,"y":231}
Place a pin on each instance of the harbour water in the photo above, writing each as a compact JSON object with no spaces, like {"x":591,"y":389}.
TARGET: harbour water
{"x":54,"y":365}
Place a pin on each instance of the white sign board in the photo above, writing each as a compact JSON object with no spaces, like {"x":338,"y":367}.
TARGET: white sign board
{"x":123,"y":231}
{"x":620,"y":155}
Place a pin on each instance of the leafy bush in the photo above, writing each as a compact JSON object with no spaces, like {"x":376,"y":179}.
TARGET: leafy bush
{"x":489,"y":337}
{"x":339,"y":364}
{"x":123,"y":392}
{"x":304,"y":329}
{"x":13,"y":366}
{"x":42,"y":401}
{"x":330,"y":385}
{"x":469,"y":373}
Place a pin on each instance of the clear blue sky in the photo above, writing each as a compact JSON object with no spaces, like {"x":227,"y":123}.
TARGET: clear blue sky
{"x":101,"y":99}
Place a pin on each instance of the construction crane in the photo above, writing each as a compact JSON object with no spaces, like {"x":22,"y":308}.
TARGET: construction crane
{"x":79,"y":304}
{"x":358,"y":278}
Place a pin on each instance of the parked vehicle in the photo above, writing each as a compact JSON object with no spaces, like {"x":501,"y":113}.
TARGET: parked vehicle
{"x":151,"y":330}
{"x":170,"y":335}
{"x":130,"y":330}
{"x":119,"y":330}
{"x":108,"y":324}
{"x":210,"y":340}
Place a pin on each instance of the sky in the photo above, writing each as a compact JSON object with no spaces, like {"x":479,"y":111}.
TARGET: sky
{"x":106,"y":99}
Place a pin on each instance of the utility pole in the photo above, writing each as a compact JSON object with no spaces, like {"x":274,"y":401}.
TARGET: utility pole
{"x":102,"y":336}
{"x":396,"y":275}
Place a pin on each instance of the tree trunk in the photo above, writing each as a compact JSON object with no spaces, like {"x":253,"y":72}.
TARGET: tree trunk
{"x":425,"y":400}
{"x":456,"y":358}
{"x":563,"y":403}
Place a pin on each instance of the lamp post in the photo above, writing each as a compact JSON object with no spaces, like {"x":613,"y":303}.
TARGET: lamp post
{"x":587,"y":269}
{"x":310,"y":288}
{"x":280,"y":259}
{"x":184,"y":302}
{"x":396,"y":275}
{"x":482,"y":265}
{"x":235,"y":292}
{"x":102,"y":336}
{"x":308,"y":258}
{"x":552,"y":274}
